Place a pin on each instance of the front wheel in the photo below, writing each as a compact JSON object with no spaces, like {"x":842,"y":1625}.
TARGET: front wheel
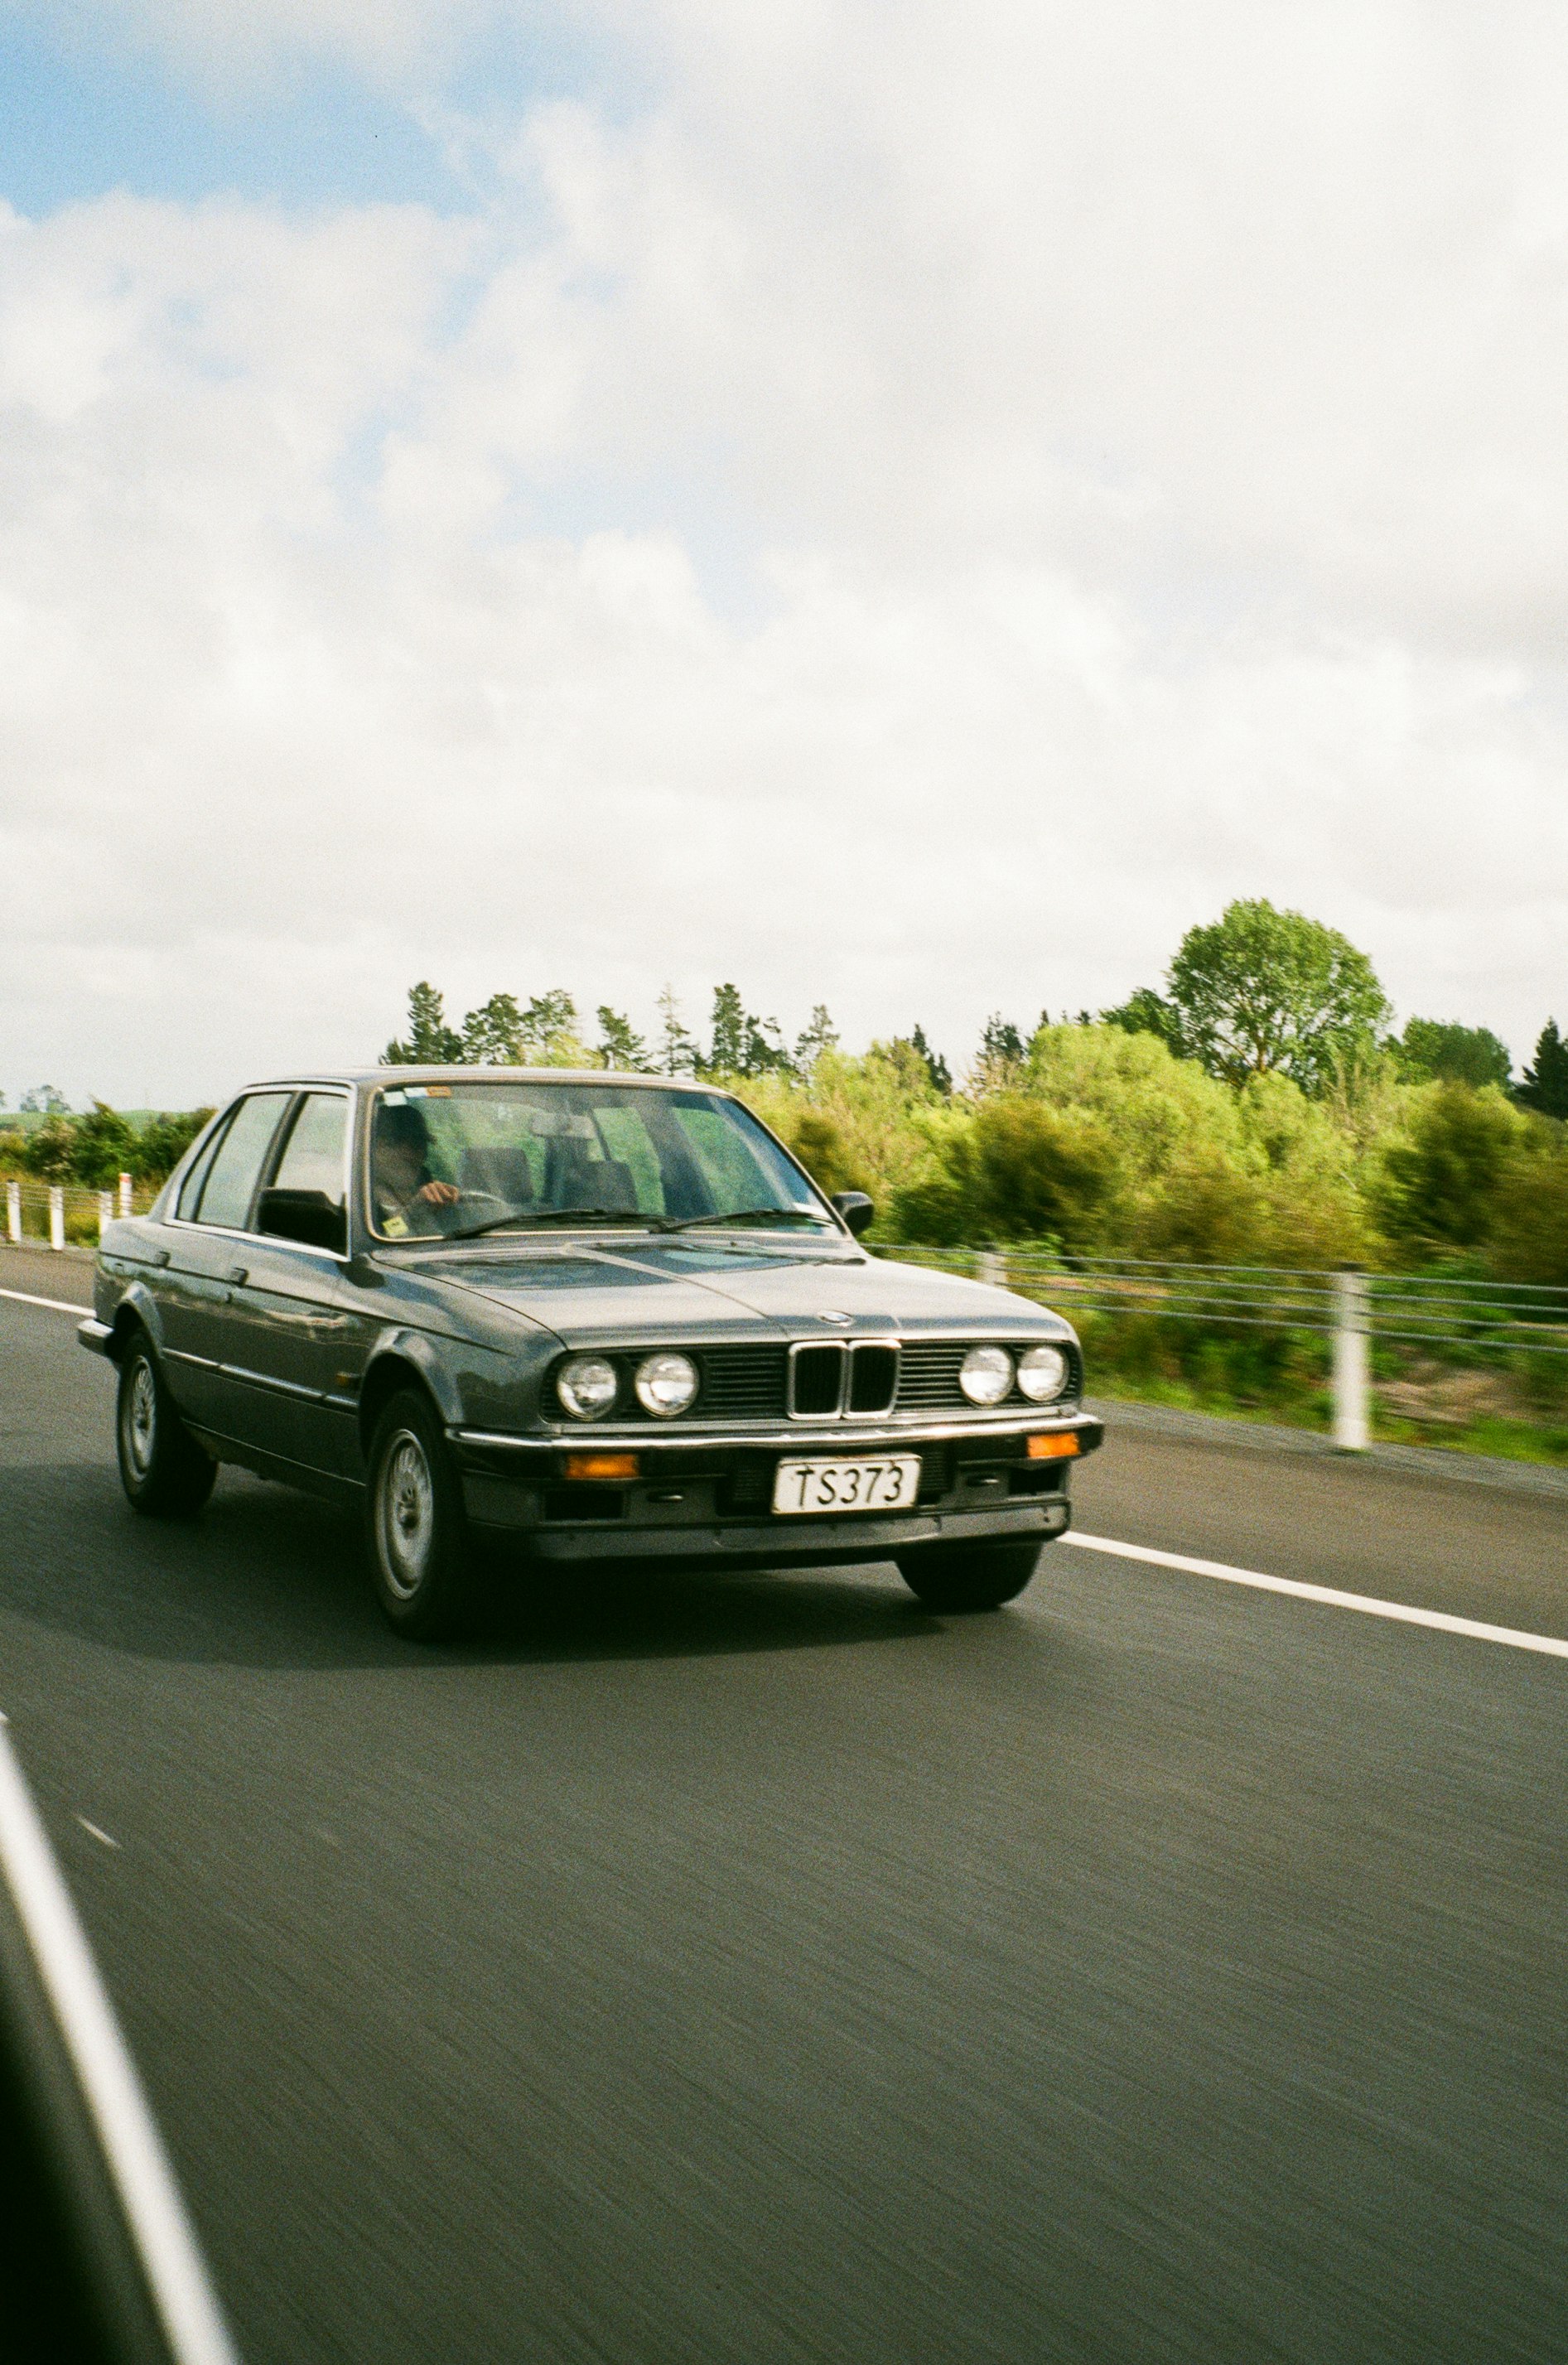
{"x":418,"y":1535}
{"x":164,"y":1472}
{"x":958,"y":1577}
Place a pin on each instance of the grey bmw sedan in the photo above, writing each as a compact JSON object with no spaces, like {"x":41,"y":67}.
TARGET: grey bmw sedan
{"x":553,"y":1318}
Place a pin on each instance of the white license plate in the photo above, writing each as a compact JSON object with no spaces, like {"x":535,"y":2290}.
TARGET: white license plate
{"x":885,"y":1481}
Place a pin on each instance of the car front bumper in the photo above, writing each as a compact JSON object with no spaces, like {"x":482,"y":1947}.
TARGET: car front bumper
{"x":710,"y":1497}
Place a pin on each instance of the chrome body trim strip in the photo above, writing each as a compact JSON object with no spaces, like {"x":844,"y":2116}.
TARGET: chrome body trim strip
{"x":265,"y":1380}
{"x":1049,"y":1418}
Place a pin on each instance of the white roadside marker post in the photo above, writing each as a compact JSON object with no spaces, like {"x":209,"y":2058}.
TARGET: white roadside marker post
{"x":106,"y":1212}
{"x":14,"y":1210}
{"x":124,"y":1195}
{"x":991,"y":1266}
{"x":1352,"y":1388}
{"x":56,"y":1216}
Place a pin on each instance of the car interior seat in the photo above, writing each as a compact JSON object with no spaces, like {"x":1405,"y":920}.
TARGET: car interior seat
{"x":503,"y":1171}
{"x":572,"y":1179}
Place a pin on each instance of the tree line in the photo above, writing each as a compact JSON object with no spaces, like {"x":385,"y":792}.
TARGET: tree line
{"x":1256,"y":1107}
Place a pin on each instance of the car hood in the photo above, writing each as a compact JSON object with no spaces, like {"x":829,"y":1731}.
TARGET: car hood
{"x":677,"y":1290}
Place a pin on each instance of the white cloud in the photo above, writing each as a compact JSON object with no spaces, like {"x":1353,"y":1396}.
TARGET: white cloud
{"x":915,"y":517}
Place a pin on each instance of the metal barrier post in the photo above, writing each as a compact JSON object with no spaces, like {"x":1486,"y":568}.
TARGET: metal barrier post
{"x":56,"y":1216}
{"x":12,"y":1210}
{"x":124,"y":1195}
{"x":1352,"y":1428}
{"x":106,"y":1212}
{"x":991,"y":1267}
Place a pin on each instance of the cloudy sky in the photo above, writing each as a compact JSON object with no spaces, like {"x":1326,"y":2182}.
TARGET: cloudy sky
{"x":899,"y":505}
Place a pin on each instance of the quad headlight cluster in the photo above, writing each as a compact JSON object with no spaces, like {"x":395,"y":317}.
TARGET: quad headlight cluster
{"x":664,"y":1384}
{"x":987,"y":1374}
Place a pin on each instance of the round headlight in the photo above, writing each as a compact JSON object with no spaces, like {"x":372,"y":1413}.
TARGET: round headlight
{"x":986,"y":1374}
{"x":588,"y":1386}
{"x":667,"y":1385}
{"x":1042,"y":1373}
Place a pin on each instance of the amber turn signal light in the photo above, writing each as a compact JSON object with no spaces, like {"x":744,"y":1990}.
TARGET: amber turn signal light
{"x":1060,"y":1446}
{"x":602,"y":1465}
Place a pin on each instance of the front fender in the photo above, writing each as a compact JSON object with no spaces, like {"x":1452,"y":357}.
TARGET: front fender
{"x":397,"y":1356}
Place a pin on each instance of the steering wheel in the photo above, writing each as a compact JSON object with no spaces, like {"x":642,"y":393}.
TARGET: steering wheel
{"x":477,"y":1207}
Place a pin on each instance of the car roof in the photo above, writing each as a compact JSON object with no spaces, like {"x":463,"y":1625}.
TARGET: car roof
{"x":439,"y":1075}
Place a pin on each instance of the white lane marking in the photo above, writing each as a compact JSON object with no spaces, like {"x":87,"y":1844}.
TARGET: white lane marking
{"x":60,"y":1305}
{"x":132,"y":2149}
{"x":95,"y":1833}
{"x":1552,"y":1644}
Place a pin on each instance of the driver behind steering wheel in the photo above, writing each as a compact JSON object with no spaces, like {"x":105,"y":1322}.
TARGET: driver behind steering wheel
{"x":407,"y":1196}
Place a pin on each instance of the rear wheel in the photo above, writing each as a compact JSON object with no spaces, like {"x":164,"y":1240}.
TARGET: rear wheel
{"x":420,"y":1551}
{"x":164,"y":1472}
{"x":958,"y":1577}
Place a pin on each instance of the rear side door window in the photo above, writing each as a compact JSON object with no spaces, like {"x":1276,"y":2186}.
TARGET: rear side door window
{"x":235,"y":1167}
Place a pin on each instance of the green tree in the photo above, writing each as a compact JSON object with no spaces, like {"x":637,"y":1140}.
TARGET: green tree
{"x":742,"y":1045}
{"x":1439,"y":1187}
{"x":821,"y":1035}
{"x":1017,"y":1170}
{"x":104,"y":1148}
{"x":620,"y":1045}
{"x":160,"y":1145}
{"x":1436,"y":1050}
{"x":1544,"y":1085}
{"x":1528,"y":1237}
{"x":1262,"y":990}
{"x":44,"y":1101}
{"x":548,"y":1030}
{"x":1146,"y":1013}
{"x":493,"y":1035}
{"x":50,"y":1152}
{"x":678,"y":1052}
{"x":936,"y":1066}
{"x":820,"y":1146}
{"x":1000,"y":1043}
{"x":430,"y":1041}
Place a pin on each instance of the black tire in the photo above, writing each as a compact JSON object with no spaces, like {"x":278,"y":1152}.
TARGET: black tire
{"x":165,"y":1474}
{"x":421,"y":1556}
{"x":960,"y":1577}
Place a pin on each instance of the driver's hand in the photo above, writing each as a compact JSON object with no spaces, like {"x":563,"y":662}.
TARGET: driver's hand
{"x":438,"y":1194}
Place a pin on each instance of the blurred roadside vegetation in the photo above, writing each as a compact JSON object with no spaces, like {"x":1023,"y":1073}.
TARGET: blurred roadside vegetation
{"x":95,"y":1148}
{"x":1258,"y":1110}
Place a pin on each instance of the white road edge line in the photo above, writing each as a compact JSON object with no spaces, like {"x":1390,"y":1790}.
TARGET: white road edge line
{"x":132,"y":2148}
{"x":60,"y":1305}
{"x":1552,"y":1645}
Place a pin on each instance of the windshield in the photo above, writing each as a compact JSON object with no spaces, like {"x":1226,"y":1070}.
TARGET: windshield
{"x":450,"y":1161}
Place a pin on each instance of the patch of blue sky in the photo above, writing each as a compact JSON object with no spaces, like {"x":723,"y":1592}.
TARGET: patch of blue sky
{"x":78,"y":120}
{"x":691,"y":501}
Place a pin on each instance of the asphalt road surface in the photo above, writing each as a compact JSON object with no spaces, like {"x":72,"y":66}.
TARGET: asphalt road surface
{"x":716,"y":1972}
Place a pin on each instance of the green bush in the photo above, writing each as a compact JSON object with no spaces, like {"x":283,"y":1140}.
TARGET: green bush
{"x":1439,"y":1186}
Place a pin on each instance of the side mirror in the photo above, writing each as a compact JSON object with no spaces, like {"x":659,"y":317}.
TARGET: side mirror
{"x":856,"y":1209}
{"x":307,"y":1216}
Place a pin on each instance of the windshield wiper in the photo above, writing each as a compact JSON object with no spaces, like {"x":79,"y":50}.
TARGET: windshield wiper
{"x":745,"y":1215}
{"x":522,"y":1221}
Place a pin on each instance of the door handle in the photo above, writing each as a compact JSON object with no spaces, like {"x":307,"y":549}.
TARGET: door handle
{"x":239,"y":1274}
